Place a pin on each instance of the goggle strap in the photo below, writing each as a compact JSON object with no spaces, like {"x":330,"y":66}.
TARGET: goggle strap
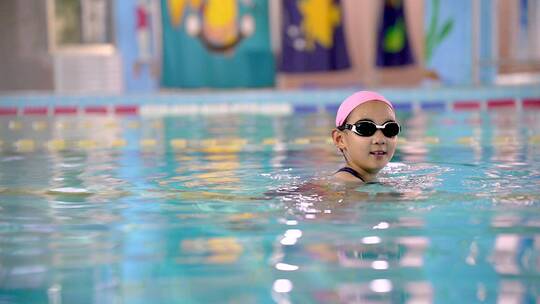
{"x":345,"y":127}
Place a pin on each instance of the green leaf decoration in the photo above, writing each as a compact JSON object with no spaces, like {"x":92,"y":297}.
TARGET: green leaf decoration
{"x":446,"y":29}
{"x":394,"y":38}
{"x":434,"y":36}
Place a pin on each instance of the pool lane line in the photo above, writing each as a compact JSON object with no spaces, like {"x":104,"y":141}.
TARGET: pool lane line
{"x":103,"y":110}
{"x":467,"y":105}
{"x":404,"y":106}
{"x":35,"y":110}
{"x":433,"y":105}
{"x":65,"y":110}
{"x":529,"y":103}
{"x":8,"y":111}
{"x":501,"y":103}
{"x":126,"y":110}
{"x":218,"y":145}
{"x":261,"y":108}
{"x":305,"y":109}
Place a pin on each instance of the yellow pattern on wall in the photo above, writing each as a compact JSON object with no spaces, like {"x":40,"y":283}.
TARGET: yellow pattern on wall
{"x":320,"y":17}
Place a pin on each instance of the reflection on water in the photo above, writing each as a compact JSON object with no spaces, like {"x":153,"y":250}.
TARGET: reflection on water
{"x":195,"y":210}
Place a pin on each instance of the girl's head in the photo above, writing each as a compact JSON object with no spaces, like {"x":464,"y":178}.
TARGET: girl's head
{"x":366,"y":131}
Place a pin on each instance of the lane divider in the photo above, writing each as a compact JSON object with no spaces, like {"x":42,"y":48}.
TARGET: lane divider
{"x":39,"y":125}
{"x":433,"y":106}
{"x":534,"y":140}
{"x":8,"y":111}
{"x":231,"y":145}
{"x":126,"y":110}
{"x":501,"y":103}
{"x":87,"y":144}
{"x":25,"y":145}
{"x":35,"y":111}
{"x":405,"y":107}
{"x":118,"y":143}
{"x":277,"y":108}
{"x":178,"y":144}
{"x":148,"y":143}
{"x":96,"y":110}
{"x":65,"y":110}
{"x":15,"y":125}
{"x":56,"y":145}
{"x":531,"y":103}
{"x":467,"y":105}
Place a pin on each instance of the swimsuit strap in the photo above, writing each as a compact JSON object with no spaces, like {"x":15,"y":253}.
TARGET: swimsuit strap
{"x":351,"y":171}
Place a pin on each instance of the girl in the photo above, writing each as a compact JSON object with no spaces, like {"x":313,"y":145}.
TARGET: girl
{"x":366,"y":134}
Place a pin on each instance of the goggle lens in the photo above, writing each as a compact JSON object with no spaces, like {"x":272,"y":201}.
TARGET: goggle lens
{"x":391,"y":129}
{"x":368,"y":128}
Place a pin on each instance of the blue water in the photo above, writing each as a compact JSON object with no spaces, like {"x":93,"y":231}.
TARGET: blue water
{"x":238,"y":209}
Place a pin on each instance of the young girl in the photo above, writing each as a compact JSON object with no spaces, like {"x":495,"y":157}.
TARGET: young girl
{"x":366,"y":134}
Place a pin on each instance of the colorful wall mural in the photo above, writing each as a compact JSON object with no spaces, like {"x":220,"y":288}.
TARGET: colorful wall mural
{"x":448,"y":41}
{"x":226,"y":43}
{"x":393,"y":42}
{"x":312,"y":36}
{"x":216,"y":43}
{"x":135,"y":26}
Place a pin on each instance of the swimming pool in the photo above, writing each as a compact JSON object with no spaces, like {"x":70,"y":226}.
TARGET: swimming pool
{"x":200,"y":203}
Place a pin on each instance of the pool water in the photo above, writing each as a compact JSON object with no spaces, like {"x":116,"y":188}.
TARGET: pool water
{"x":221,"y":209}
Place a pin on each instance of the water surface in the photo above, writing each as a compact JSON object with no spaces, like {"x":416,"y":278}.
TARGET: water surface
{"x":226,"y":209}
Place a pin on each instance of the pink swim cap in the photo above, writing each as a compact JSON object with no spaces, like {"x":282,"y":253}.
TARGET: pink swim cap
{"x":356,"y":99}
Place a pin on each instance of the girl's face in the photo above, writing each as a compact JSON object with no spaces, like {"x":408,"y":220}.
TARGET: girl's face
{"x":369,"y":154}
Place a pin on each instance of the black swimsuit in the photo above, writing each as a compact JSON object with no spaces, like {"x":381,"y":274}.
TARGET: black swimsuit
{"x":351,"y":171}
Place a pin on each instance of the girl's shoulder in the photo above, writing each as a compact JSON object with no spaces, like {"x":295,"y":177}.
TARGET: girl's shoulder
{"x":345,"y":177}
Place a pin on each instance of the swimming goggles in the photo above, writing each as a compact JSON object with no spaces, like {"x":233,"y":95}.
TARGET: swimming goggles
{"x":367,"y":128}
